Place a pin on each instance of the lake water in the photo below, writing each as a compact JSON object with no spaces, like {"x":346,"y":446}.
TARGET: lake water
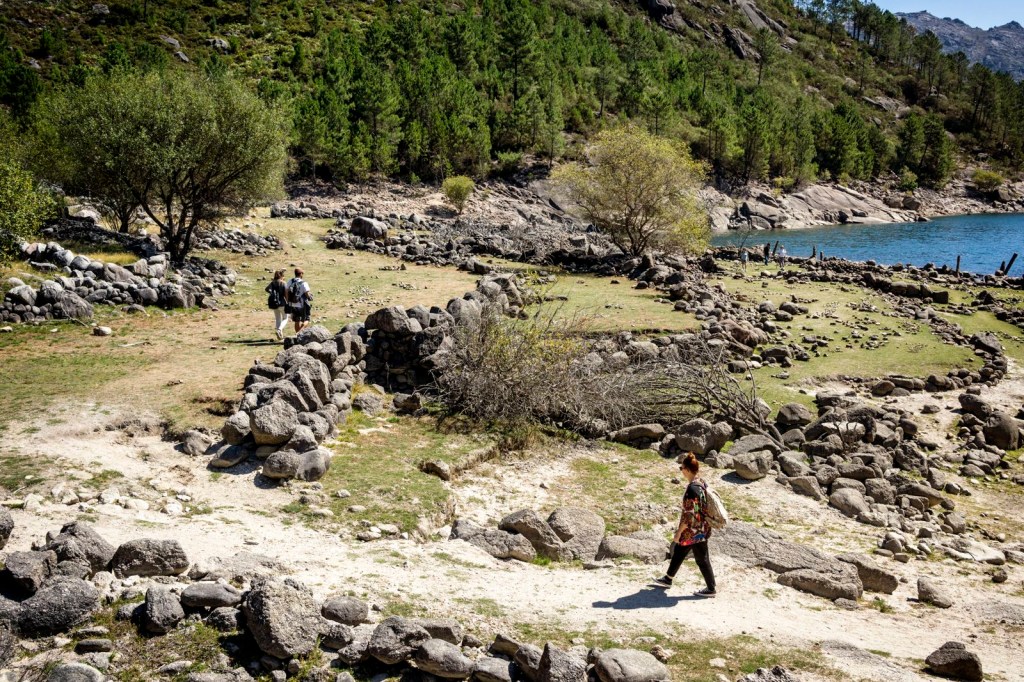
{"x":982,"y":241}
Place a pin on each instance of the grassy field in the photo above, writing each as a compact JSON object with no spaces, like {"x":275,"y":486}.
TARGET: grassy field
{"x":865,"y":338}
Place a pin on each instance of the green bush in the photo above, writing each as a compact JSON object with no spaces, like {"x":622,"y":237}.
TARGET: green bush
{"x":908,"y":180}
{"x":23,"y":207}
{"x":457,"y":190}
{"x":508,"y":162}
{"x":986,"y":180}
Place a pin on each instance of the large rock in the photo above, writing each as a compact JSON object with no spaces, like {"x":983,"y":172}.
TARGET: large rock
{"x":954,"y":661}
{"x":161,"y":612}
{"x":6,"y":526}
{"x":815,"y":571}
{"x":240,"y":568}
{"x":57,"y":607}
{"x":638,"y":434}
{"x":849,"y":501}
{"x":535,"y":529}
{"x":282,"y":616}
{"x":311,"y":465}
{"x":498,"y":543}
{"x":210,"y":595}
{"x":444,"y":660}
{"x":79,"y":543}
{"x":752,"y":466}
{"x":345,"y":610}
{"x":973,"y":404}
{"x":1003,"y":431}
{"x":369,"y":228}
{"x":236,"y":428}
{"x":830,"y":585}
{"x":147,"y":557}
{"x":73,"y":307}
{"x":630,"y":665}
{"x":700,"y":436}
{"x":647,"y":546}
{"x":527,"y":657}
{"x":274,"y":423}
{"x":874,"y":577}
{"x":581,"y":531}
{"x":754,"y":443}
{"x":807,"y":485}
{"x":74,"y":672}
{"x":793,"y":415}
{"x":396,"y":639}
{"x":356,"y":651}
{"x":560,"y":666}
{"x":930,"y":592}
{"x":29,"y":570}
{"x":492,"y":669}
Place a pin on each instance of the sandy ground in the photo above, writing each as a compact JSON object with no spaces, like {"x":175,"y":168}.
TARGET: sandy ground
{"x":456,"y":579}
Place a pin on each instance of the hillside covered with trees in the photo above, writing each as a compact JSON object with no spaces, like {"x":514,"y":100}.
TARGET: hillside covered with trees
{"x":771,"y":91}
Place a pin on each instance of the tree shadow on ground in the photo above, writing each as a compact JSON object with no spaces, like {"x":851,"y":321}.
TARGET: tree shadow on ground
{"x":254,"y":342}
{"x":652,"y":598}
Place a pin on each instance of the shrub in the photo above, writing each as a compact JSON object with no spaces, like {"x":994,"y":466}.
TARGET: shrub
{"x":908,"y":180}
{"x":660,"y":212}
{"x":986,"y":180}
{"x":23,"y":206}
{"x":508,"y":163}
{"x":517,"y":373}
{"x":457,"y":190}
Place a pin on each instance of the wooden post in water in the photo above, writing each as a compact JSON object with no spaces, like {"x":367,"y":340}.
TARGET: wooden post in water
{"x":1009,"y":266}
{"x":776,"y":248}
{"x":1002,"y":266}
{"x":958,"y":265}
{"x":814,"y":252}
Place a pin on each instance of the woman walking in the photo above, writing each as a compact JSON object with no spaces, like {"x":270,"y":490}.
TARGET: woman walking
{"x":694,"y":530}
{"x":275,"y":301}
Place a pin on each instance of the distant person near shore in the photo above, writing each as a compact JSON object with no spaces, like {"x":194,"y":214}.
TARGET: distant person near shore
{"x":276,"y":294}
{"x":767,"y":252}
{"x":693,"y":532}
{"x":300,"y":301}
{"x":782,"y":258}
{"x":744,"y":257}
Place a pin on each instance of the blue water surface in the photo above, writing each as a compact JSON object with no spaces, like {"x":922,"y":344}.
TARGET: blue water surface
{"x":981,"y":241}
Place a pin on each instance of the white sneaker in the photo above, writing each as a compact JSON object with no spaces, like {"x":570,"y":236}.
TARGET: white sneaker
{"x":279,"y":334}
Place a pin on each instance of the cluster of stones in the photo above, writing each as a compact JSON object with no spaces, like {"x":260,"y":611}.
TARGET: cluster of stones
{"x":868,"y":463}
{"x":568,"y":534}
{"x":303,"y":210}
{"x":292,"y":405}
{"x":52,"y":590}
{"x":405,"y":345}
{"x":431,"y":241}
{"x":237,"y":241}
{"x":79,"y":282}
{"x":987,"y":434}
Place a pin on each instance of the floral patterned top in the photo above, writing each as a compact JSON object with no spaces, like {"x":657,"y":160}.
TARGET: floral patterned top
{"x":694,"y":521}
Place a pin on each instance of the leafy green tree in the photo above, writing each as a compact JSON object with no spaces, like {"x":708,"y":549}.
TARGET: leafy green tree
{"x":23,"y":206}
{"x":640,"y":190}
{"x":187,"y":149}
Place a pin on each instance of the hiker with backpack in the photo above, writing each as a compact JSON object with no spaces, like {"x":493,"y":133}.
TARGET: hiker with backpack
{"x":694,"y":529}
{"x":299,"y":300}
{"x":276,"y":292}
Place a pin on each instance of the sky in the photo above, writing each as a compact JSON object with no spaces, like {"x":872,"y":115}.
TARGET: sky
{"x":981,"y":13}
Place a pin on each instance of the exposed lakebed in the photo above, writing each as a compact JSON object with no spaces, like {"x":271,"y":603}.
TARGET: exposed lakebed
{"x":982,"y":241}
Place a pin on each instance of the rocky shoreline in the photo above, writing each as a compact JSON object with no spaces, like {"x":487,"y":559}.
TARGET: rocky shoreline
{"x":761,"y":207}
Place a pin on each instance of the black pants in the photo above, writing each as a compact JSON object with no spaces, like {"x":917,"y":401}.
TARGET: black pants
{"x":700,"y":555}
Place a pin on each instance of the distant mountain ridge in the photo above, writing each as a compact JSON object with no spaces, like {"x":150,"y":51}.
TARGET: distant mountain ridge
{"x":1000,"y":48}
